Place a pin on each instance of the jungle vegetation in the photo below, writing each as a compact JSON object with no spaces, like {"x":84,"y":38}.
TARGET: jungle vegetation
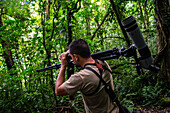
{"x":33,"y":33}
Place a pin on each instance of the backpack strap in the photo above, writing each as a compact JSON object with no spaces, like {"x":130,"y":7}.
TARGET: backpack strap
{"x":100,"y":66}
{"x":107,"y":86}
{"x":98,"y":87}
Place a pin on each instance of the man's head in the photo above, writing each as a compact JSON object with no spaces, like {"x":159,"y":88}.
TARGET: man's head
{"x":78,"y":50}
{"x":80,"y":47}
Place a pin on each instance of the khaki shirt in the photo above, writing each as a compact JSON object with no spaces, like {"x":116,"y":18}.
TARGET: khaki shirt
{"x":86,"y":82}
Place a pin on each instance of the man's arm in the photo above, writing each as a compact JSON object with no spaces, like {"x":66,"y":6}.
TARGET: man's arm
{"x":59,"y":90}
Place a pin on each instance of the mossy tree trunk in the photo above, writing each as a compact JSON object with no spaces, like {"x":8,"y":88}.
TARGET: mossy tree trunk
{"x":162,"y":11}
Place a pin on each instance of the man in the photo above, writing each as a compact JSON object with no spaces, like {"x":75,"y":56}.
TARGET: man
{"x":95,"y":98}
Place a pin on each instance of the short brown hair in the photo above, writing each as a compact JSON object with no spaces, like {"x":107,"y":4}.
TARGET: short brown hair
{"x":80,"y":47}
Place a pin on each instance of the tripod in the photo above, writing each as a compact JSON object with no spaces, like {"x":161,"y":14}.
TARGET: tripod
{"x":114,"y":53}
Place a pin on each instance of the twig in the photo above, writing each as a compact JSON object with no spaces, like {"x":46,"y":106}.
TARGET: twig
{"x":107,"y":13}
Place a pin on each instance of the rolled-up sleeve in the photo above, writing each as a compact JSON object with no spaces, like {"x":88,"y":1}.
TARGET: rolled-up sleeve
{"x":73,"y":84}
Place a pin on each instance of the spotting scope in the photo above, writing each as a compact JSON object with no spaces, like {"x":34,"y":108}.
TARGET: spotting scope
{"x":131,"y":27}
{"x":136,"y":36}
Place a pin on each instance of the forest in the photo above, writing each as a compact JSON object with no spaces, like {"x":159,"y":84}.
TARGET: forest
{"x":33,"y":33}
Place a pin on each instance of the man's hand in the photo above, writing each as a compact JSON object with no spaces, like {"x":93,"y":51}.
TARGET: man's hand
{"x":59,"y":90}
{"x":63,"y":58}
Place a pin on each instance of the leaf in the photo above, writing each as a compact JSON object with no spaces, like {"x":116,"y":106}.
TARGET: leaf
{"x":41,"y":51}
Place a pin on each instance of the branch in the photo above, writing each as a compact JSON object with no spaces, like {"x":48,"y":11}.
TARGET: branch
{"x":52,"y":34}
{"x":2,"y":13}
{"x":122,"y":38}
{"x":107,"y":13}
{"x":75,"y":7}
{"x":117,"y":66}
{"x":119,"y":73}
{"x":119,"y":21}
{"x":140,"y":9}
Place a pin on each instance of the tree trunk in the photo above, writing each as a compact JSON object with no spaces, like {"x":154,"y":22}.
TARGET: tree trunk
{"x":87,"y":17}
{"x":163,"y":40}
{"x":48,"y":10}
{"x":119,"y":21}
{"x":7,"y":54}
{"x":141,"y":14}
{"x":7,"y":51}
{"x":69,"y":14}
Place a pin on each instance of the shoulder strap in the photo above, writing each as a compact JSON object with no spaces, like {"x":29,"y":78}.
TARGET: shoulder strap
{"x":100,"y":66}
{"x":104,"y":67}
{"x":99,"y":76}
{"x":88,"y":68}
{"x":107,"y":86}
{"x":108,"y":89}
{"x":96,"y":73}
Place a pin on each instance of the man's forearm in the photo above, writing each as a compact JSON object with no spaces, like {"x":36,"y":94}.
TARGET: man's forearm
{"x":59,"y":90}
{"x":60,"y":79}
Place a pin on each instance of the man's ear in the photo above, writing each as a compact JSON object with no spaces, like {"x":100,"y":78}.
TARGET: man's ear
{"x":76,"y":57}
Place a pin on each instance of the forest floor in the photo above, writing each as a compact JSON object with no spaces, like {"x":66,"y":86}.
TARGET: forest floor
{"x":156,"y":109}
{"x":144,"y":110}
{"x":162,"y":106}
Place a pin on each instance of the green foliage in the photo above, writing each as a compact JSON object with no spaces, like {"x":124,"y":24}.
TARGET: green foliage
{"x":144,"y":90}
{"x":35,"y":42}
